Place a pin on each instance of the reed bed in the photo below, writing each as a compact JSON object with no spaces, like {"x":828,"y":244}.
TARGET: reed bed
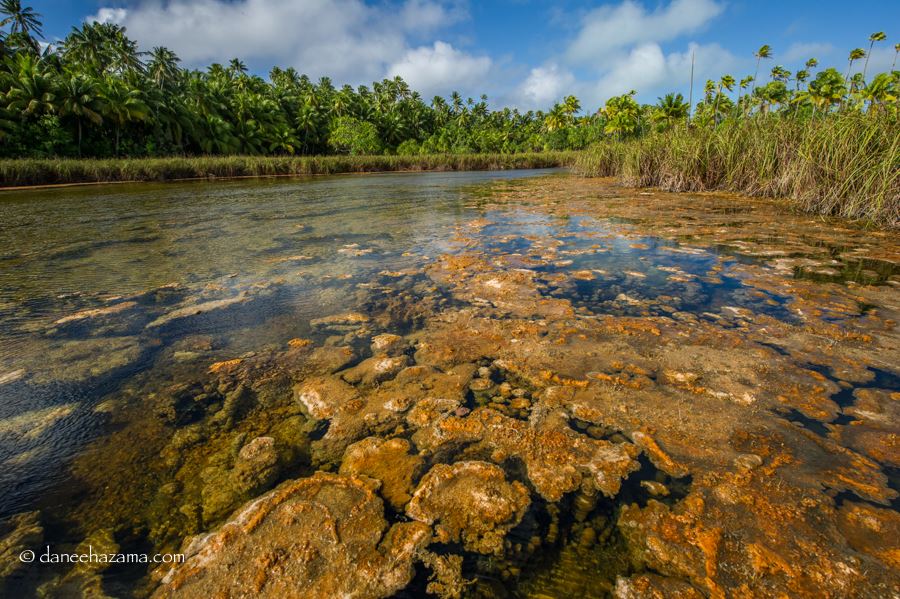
{"x":24,"y":172}
{"x":842,"y":165}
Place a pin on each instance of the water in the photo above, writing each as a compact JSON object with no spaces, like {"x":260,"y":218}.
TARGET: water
{"x":69,"y":250}
{"x":115,"y":300}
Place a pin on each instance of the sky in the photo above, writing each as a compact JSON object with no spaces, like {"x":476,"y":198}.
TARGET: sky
{"x":521,"y":53}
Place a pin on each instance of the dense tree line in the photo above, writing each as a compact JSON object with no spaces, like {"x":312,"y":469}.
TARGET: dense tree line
{"x":97,"y":94}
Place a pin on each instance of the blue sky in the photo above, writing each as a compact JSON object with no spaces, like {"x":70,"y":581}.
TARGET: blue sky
{"x":521,"y":53}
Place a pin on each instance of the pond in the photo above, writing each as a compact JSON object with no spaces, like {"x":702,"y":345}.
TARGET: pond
{"x":493,"y":383}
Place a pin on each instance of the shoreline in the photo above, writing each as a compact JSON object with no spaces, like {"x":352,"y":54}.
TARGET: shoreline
{"x":277,"y":176}
{"x":23,"y":174}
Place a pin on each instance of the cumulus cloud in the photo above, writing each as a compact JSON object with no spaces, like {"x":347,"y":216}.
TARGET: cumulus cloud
{"x":609,"y":29}
{"x":803,"y":51}
{"x":647,"y":68}
{"x":348,"y":40}
{"x":619,"y":48}
{"x":545,"y":85}
{"x":434,"y":69}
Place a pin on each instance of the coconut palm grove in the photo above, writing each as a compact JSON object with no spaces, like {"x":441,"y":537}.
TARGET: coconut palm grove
{"x":96,"y":94}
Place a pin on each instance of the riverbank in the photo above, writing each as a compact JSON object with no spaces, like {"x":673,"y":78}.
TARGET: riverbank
{"x":28,"y":172}
{"x":843,"y":165}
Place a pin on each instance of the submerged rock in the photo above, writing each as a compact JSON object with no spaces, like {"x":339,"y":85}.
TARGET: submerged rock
{"x":388,"y":461}
{"x":320,"y":537}
{"x":471,"y":502}
{"x":17,"y":534}
{"x":557,"y":459}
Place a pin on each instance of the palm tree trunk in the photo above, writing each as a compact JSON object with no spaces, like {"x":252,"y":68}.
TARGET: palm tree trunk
{"x":866,"y":65}
{"x":79,"y":136}
{"x":716,"y":107}
{"x":755,"y":75}
{"x":117,"y":141}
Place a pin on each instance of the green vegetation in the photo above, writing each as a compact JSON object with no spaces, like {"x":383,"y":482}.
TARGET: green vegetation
{"x":72,"y":170}
{"x":825,"y":138}
{"x":844,"y":164}
{"x":96,"y":95}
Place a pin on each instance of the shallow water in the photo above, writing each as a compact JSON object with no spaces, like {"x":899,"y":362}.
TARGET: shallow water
{"x":125,"y":309}
{"x":69,"y":250}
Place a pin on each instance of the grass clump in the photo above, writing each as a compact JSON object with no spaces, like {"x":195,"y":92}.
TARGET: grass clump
{"x":841,"y":165}
{"x":23,"y":172}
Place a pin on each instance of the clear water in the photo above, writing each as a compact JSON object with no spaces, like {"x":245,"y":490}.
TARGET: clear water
{"x":115,"y":291}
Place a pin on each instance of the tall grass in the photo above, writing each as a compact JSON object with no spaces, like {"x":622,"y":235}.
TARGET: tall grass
{"x":21,"y":172}
{"x":844,"y":165}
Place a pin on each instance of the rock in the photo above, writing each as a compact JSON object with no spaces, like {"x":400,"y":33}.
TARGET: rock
{"x":323,"y":396}
{"x":748,"y":461}
{"x":655,"y":488}
{"x":446,"y":580}
{"x":29,"y":426}
{"x":375,"y":370}
{"x":470,"y":502}
{"x":96,"y":315}
{"x":871,"y":530}
{"x":12,"y":377}
{"x":81,"y":360}
{"x":17,"y":534}
{"x":84,"y":579}
{"x":660,"y":458}
{"x":654,"y":586}
{"x":195,"y":309}
{"x":348,"y":320}
{"x":229,"y":480}
{"x":316,"y":538}
{"x":557,"y":460}
{"x":256,"y":466}
{"x":389,"y":344}
{"x":388,"y":461}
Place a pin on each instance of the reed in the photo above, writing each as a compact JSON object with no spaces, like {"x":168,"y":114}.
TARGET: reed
{"x":842,"y":165}
{"x":24,"y":172}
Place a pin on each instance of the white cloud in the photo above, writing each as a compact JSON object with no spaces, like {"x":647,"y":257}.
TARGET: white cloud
{"x":880,"y":61}
{"x":611,"y":28}
{"x":544,"y":86}
{"x":651,"y":72}
{"x":348,"y":40}
{"x":441,"y":67}
{"x":803,"y":51}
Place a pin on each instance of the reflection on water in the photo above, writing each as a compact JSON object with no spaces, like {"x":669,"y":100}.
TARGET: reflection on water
{"x":282,"y":251}
{"x":156,"y":341}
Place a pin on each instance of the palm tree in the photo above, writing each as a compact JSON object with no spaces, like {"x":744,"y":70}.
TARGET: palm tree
{"x":827,"y":89}
{"x":571,"y":105}
{"x":878,"y":36}
{"x":744,"y":84}
{"x":21,"y":20}
{"x":855,"y":55}
{"x":556,"y":118}
{"x":765,"y":51}
{"x":77,"y":97}
{"x":882,"y":90}
{"x":896,"y":52}
{"x":31,"y":90}
{"x":163,"y":66}
{"x":726,"y":82}
{"x":122,"y":105}
{"x":670,"y":109}
{"x":779,"y":73}
{"x":811,"y":64}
